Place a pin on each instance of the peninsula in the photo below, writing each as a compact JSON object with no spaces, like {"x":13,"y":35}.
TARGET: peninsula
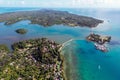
{"x":49,"y":18}
{"x":34,"y":59}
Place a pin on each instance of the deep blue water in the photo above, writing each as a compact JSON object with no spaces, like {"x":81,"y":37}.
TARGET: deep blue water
{"x":84,"y":61}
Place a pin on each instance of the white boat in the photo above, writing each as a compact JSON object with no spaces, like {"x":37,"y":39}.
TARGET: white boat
{"x":102,"y":48}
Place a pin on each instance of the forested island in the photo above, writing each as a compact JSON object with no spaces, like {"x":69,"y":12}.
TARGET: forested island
{"x":34,"y":59}
{"x":21,"y":31}
{"x":49,"y":18}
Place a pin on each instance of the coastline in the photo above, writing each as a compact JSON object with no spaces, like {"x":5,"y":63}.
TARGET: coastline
{"x":67,"y":67}
{"x":64,"y":66}
{"x":64,"y":60}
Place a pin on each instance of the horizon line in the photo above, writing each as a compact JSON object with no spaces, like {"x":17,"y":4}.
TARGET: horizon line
{"x":60,"y":7}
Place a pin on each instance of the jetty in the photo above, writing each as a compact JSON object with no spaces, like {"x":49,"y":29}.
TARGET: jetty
{"x":64,"y":44}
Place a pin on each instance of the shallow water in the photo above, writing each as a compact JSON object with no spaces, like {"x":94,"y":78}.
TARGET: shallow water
{"x":91,"y":64}
{"x":84,"y":62}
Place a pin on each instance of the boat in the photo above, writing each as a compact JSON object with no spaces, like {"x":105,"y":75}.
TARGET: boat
{"x":100,"y":47}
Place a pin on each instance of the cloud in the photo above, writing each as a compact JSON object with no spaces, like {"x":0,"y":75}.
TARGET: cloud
{"x":22,"y":2}
{"x":63,"y":3}
{"x":97,"y":3}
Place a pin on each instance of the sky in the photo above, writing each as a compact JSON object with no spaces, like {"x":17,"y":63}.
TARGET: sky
{"x":61,"y":3}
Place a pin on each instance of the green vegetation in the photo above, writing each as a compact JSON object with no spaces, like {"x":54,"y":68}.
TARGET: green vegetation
{"x":49,"y":18}
{"x":4,"y":48}
{"x":21,"y":31}
{"x":98,"y":38}
{"x":34,"y":59}
{"x":3,"y":51}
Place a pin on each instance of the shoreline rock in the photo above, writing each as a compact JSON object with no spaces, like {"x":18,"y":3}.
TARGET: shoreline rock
{"x":98,"y":38}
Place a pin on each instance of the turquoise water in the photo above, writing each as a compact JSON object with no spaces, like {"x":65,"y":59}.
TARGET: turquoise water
{"x":87,"y":63}
{"x":83,"y":61}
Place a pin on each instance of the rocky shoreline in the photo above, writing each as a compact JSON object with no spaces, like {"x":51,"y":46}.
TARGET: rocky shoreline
{"x":33,"y":59}
{"x":100,"y":39}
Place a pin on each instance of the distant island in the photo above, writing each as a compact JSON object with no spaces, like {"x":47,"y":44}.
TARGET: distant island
{"x":21,"y":31}
{"x":49,"y":18}
{"x":34,"y":59}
